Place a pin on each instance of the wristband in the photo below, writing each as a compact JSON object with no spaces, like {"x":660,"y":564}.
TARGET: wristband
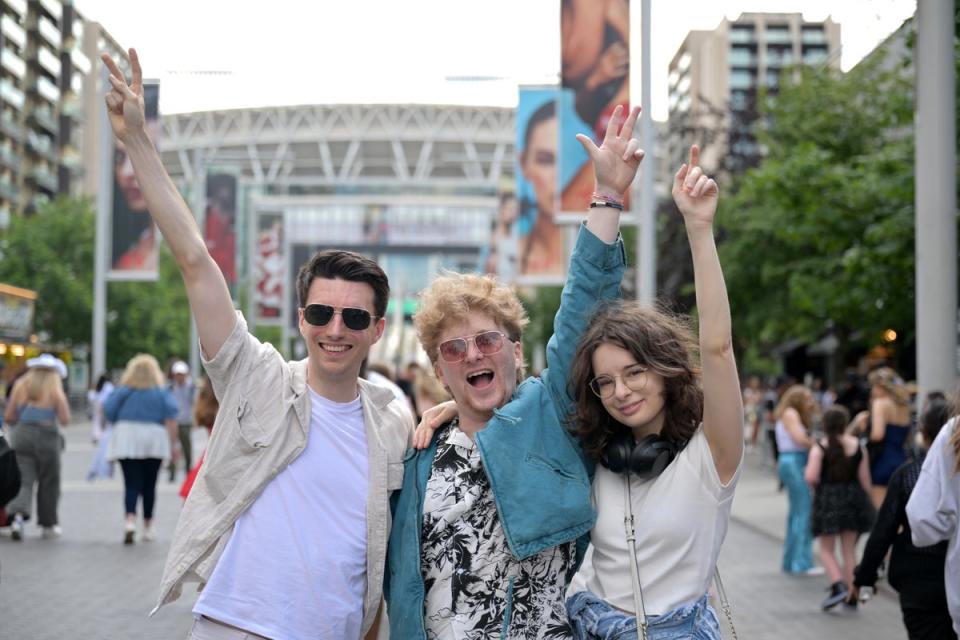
{"x":600,"y":196}
{"x":606,"y":203}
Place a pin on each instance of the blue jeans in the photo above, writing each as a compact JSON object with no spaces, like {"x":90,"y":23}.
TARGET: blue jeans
{"x":594,"y":619}
{"x":798,"y":546}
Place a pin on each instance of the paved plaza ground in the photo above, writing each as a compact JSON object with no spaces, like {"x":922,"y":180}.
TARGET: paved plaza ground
{"x":88,"y":586}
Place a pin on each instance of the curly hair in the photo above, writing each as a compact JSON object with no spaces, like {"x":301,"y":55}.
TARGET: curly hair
{"x":451,"y":297}
{"x":660,"y":341}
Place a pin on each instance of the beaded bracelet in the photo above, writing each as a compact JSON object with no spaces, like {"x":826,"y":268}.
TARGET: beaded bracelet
{"x":607,"y":203}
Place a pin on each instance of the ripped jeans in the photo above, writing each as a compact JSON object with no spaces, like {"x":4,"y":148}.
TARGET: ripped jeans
{"x":594,"y":619}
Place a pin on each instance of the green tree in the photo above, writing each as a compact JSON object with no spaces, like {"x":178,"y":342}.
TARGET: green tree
{"x":820,"y":235}
{"x":51,"y":253}
{"x":149,"y":317}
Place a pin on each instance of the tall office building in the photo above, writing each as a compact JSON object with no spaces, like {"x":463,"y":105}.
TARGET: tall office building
{"x":716,"y":77}
{"x":47,"y":54}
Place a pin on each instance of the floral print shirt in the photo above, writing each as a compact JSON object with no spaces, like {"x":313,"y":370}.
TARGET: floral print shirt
{"x":472,"y":580}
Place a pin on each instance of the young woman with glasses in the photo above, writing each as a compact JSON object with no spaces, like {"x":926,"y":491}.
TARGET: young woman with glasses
{"x":668,"y":438}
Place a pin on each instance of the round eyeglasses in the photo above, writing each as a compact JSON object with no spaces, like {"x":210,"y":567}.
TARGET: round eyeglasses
{"x":634,"y":377}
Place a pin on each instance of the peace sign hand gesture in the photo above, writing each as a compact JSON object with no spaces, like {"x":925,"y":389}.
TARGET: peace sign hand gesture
{"x":695,"y":194}
{"x":616,"y":160}
{"x":125,"y":101}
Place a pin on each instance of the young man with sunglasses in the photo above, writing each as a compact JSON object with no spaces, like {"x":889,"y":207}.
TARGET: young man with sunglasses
{"x":486,"y":526}
{"x":287,"y":524}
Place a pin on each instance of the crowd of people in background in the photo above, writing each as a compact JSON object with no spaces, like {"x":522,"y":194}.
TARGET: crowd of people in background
{"x":849,"y":458}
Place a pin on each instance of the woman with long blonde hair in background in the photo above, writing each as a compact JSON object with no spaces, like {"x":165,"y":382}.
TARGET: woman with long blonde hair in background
{"x":37,"y":404}
{"x":888,"y":428}
{"x":794,"y":416}
{"x":145,"y":433}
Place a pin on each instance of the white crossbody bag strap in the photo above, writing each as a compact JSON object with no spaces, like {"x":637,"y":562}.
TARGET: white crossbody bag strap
{"x":641,"y":613}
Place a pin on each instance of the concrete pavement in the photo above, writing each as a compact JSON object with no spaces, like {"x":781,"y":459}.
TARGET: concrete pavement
{"x":88,"y":585}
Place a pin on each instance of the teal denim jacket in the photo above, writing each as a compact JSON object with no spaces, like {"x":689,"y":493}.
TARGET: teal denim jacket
{"x":538,"y":474}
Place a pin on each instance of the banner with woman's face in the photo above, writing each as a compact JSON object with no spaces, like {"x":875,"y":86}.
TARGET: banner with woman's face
{"x":540,"y":255}
{"x":134,"y":244}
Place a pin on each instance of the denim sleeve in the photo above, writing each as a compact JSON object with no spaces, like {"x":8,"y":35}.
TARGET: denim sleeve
{"x":596,"y":270}
{"x":170,"y":409}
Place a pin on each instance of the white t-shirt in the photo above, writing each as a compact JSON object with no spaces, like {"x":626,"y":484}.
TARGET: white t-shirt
{"x":680,"y":519}
{"x":295,"y":565}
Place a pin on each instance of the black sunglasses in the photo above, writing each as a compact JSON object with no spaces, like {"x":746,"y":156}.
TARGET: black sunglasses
{"x":320,"y":314}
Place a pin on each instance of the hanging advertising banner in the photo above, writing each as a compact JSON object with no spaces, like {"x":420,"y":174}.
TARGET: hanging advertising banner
{"x":499,"y":255}
{"x":219,"y":225}
{"x":595,"y":78}
{"x":540,"y":252}
{"x":268,"y":269}
{"x":134,"y":239}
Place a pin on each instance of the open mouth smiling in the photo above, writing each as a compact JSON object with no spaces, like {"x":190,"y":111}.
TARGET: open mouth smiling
{"x":481,"y":378}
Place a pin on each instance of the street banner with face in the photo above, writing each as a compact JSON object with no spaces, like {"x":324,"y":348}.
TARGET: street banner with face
{"x":541,"y":258}
{"x":219,"y":225}
{"x":595,"y":76}
{"x":134,"y":243}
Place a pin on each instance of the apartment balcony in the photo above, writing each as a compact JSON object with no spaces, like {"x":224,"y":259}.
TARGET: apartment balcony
{"x":42,"y":146}
{"x":10,"y":94}
{"x":13,"y":63}
{"x":10,"y":159}
{"x":43,"y":178}
{"x":9,"y":192}
{"x":11,"y":128}
{"x":72,"y":107}
{"x":43,"y":116}
{"x":13,"y":31}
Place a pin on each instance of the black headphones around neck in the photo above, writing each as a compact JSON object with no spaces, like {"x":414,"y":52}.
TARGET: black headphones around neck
{"x":646,"y":459}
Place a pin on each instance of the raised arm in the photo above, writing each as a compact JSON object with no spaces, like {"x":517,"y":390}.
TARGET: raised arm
{"x":206,"y":288}
{"x":696,"y":196}
{"x":615,"y":164}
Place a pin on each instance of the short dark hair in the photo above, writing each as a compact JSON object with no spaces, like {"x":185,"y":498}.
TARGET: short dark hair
{"x":936,"y":415}
{"x":335,"y":264}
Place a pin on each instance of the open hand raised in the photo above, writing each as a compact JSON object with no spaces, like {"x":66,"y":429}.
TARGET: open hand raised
{"x":125,"y":101}
{"x":616,"y":160}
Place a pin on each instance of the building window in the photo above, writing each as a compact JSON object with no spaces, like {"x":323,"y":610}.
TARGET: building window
{"x":742,"y":33}
{"x":741,"y":79}
{"x":814,"y":55}
{"x":742,"y":57}
{"x":777,"y":33}
{"x":813,"y":35}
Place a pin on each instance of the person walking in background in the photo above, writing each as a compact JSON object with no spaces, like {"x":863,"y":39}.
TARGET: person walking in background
{"x":794,"y":416}
{"x":101,"y":466}
{"x":184,"y":391}
{"x":95,"y":398}
{"x":143,"y":414}
{"x":886,"y":425}
{"x":204,"y":414}
{"x":839,"y":475}
{"x":38,"y":407}
{"x":933,"y":510}
{"x":917,"y":573}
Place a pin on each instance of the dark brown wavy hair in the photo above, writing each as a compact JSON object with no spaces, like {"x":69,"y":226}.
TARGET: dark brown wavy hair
{"x":658,"y":340}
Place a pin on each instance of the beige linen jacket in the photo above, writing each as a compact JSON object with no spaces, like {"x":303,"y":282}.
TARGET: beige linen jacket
{"x":262,"y":427}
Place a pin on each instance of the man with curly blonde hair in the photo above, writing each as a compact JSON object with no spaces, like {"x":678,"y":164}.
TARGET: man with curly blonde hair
{"x":486,"y":524}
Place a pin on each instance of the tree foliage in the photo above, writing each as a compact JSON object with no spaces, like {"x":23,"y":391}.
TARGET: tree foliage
{"x":820,"y":235}
{"x":51,"y":253}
